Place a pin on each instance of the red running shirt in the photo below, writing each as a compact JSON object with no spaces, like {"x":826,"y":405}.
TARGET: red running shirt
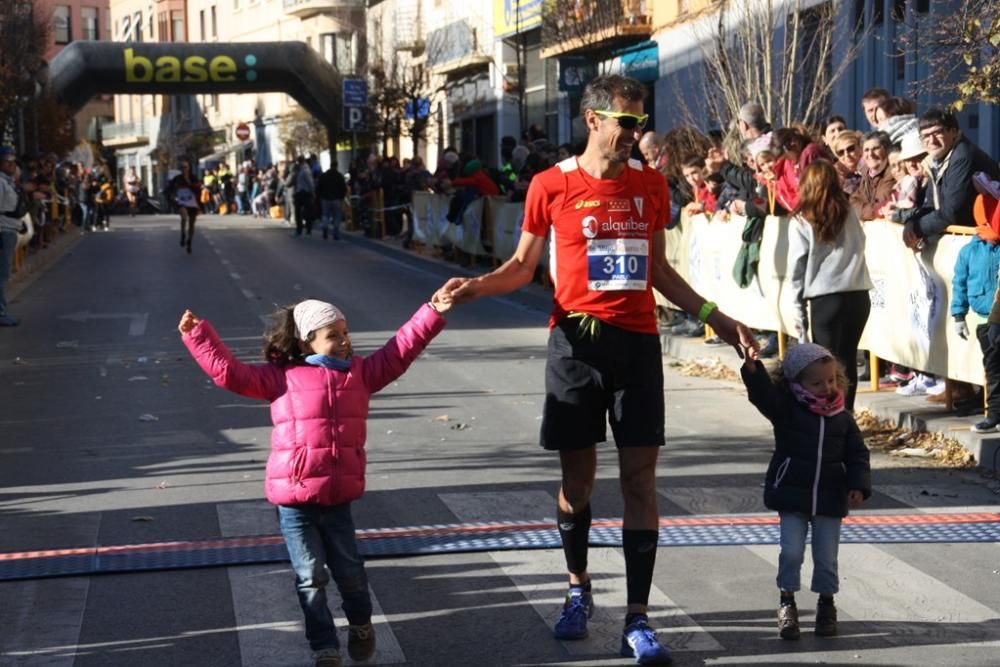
{"x":600,"y":240}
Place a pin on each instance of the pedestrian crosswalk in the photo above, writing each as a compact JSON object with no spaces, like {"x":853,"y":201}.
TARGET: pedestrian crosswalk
{"x":710,"y":605}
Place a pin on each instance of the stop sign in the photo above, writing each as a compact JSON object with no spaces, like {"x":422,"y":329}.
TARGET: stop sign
{"x":242,"y":131}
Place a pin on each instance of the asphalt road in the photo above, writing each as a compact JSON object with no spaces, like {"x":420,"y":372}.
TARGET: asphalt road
{"x":111,"y":435}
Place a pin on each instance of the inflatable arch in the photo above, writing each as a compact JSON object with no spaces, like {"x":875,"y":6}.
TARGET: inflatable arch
{"x":85,"y":69}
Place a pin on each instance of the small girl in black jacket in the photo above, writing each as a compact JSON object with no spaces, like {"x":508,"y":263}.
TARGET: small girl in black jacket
{"x":820,"y":467}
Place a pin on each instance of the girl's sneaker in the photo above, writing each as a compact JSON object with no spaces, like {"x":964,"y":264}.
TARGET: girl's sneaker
{"x":788,"y":621}
{"x":360,"y":641}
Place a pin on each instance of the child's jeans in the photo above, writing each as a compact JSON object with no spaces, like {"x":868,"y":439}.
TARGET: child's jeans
{"x":825,"y":542}
{"x":318,"y":537}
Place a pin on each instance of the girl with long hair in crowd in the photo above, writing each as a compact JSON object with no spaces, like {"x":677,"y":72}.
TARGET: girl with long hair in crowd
{"x":826,"y":257}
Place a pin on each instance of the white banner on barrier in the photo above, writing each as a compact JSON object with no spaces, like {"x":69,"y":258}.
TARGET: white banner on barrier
{"x":911,"y":298}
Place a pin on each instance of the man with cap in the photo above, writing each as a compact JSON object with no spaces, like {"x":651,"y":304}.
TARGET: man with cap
{"x":10,"y":223}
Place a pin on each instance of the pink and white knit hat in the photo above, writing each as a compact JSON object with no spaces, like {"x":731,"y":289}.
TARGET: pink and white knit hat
{"x":311,"y":315}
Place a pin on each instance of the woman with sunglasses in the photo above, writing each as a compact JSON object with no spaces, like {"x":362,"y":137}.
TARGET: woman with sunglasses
{"x":847,"y":150}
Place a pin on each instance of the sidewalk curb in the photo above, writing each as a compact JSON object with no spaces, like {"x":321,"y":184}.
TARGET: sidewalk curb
{"x":912,"y":413}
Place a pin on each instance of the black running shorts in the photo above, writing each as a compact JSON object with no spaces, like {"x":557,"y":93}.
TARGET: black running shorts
{"x":616,"y":377}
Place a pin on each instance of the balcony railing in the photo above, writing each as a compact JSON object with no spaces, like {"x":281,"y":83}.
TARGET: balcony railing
{"x":133,"y":133}
{"x":306,"y":8}
{"x":579,"y":26}
{"x":454,"y":47}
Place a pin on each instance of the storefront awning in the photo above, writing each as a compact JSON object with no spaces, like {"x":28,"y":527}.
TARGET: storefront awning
{"x":225,"y":152}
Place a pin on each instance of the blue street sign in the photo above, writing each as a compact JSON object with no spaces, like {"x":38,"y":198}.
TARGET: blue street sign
{"x":355,"y":93}
{"x":354,"y":119}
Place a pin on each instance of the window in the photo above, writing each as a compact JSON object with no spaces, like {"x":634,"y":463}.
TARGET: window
{"x":61,"y":27}
{"x":137,"y":26}
{"x":201,"y":23}
{"x":215,"y":25}
{"x":337,"y":48}
{"x":236,"y":4}
{"x":88,"y":23}
{"x":877,"y":13}
{"x":177,"y":33}
{"x":163,"y":26}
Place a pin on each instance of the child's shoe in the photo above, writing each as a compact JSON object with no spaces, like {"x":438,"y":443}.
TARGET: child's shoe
{"x":578,"y":608}
{"x":360,"y":641}
{"x":328,"y":657}
{"x":788,"y":621}
{"x":826,"y":619}
{"x":639,"y":641}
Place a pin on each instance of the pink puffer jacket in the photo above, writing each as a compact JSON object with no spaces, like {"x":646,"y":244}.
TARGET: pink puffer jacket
{"x":320,"y":415}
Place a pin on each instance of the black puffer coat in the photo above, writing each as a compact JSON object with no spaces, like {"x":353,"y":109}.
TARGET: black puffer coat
{"x":816,"y":460}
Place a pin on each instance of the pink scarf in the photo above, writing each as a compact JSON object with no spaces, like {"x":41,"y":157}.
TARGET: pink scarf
{"x":826,"y":406}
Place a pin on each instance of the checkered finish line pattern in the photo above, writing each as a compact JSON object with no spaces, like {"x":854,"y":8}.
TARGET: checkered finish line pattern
{"x":690,"y":531}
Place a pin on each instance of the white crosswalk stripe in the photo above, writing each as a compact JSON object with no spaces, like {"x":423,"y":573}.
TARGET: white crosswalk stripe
{"x":606,"y":566}
{"x":267,"y":613}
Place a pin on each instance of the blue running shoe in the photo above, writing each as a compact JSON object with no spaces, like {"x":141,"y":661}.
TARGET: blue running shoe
{"x":572,"y":624}
{"x":639,"y":642}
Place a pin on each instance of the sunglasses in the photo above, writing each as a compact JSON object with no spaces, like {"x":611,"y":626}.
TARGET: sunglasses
{"x":626,"y":121}
{"x":849,"y":149}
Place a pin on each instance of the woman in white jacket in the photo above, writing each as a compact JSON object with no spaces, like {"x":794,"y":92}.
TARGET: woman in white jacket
{"x":826,"y":255}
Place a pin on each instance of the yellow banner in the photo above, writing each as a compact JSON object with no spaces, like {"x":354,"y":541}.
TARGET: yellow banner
{"x":511,"y":17}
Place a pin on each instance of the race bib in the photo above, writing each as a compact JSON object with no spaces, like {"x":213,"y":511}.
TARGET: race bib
{"x":617,"y":264}
{"x":185,"y":198}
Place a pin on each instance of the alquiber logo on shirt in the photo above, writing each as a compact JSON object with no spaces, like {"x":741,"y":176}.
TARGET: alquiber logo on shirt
{"x":189,"y":69}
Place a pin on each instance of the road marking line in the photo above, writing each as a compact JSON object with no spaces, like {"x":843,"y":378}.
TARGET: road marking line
{"x":264,"y":596}
{"x":606,"y":567}
{"x":899,"y":598}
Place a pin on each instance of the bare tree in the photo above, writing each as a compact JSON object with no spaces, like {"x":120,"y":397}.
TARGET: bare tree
{"x":399,"y":93}
{"x":302,"y":134}
{"x":962,"y":53}
{"x":24,"y":32}
{"x":779,"y":53}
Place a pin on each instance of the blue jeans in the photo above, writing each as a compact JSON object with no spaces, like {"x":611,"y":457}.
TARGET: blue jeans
{"x":318,"y":537}
{"x":8,"y":242}
{"x":825,"y":542}
{"x":333,"y":213}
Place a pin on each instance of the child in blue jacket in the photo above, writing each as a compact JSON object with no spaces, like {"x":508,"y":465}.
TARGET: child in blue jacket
{"x":972,"y":288}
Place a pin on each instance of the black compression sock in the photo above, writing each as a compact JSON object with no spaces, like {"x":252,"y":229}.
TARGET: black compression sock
{"x":640,"y":558}
{"x":574,"y":529}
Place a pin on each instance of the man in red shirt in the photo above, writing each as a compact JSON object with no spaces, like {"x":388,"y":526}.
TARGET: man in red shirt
{"x":605,"y":216}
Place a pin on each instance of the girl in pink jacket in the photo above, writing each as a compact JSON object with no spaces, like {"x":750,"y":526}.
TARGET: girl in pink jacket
{"x":319,"y":393}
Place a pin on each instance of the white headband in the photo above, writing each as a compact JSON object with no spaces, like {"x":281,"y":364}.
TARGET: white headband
{"x":311,"y":315}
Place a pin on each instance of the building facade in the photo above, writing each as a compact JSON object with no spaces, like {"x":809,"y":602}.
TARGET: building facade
{"x":73,"y":20}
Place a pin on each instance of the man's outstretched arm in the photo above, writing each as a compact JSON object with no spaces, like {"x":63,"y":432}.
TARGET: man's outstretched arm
{"x":512,"y":275}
